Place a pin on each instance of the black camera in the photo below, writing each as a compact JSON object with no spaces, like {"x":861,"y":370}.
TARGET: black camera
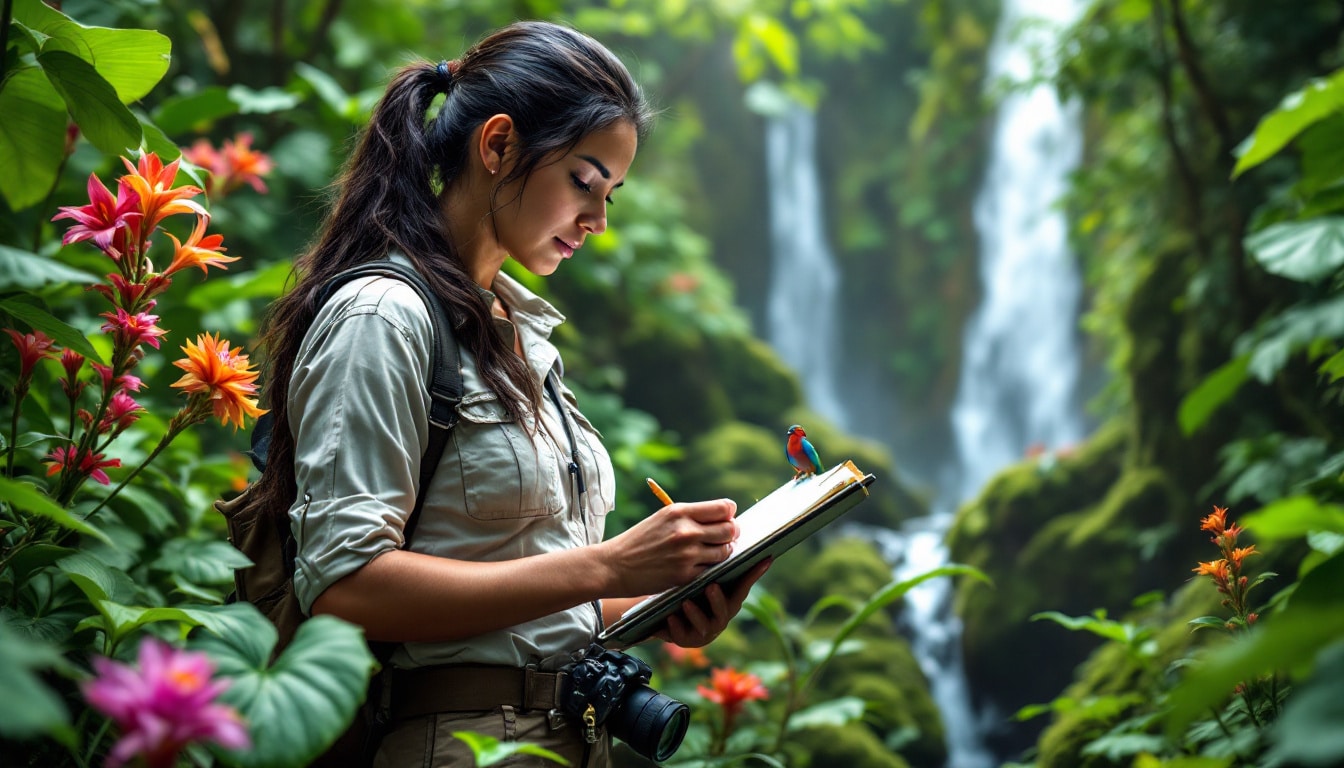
{"x":609,"y":688}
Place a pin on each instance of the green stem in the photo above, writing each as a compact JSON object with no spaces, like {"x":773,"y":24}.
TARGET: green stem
{"x":95,"y":741}
{"x":1222,"y":725}
{"x":168,"y":437}
{"x":20,"y":389}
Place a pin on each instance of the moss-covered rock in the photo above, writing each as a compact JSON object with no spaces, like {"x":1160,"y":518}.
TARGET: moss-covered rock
{"x":759,"y":385}
{"x":849,"y":746}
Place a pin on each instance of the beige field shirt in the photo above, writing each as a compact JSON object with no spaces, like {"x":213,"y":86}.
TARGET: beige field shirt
{"x":358,"y":407}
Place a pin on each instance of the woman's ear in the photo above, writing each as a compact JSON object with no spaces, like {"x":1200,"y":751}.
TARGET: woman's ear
{"x":497,"y":135}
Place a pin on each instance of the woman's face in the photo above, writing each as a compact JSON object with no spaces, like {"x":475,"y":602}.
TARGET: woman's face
{"x":565,"y":200}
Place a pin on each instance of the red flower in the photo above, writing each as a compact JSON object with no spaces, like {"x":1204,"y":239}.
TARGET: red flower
{"x":731,"y":690}
{"x":32,"y":347}
{"x":128,"y":296}
{"x":103,"y":217}
{"x":237,"y":164}
{"x":72,"y":361}
{"x":130,"y":330}
{"x":63,"y":459}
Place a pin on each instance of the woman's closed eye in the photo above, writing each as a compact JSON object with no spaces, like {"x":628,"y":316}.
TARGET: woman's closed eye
{"x":587,"y":188}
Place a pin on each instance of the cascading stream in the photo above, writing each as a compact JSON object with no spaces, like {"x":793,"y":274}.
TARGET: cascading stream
{"x":1020,"y":367}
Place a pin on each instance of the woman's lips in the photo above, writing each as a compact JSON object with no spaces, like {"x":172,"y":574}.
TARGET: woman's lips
{"x":566,"y":249}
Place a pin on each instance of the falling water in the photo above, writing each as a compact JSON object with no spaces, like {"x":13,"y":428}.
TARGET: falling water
{"x":1020,"y":362}
{"x":804,"y":279}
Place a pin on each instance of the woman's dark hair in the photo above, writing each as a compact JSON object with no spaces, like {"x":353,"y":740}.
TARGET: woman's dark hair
{"x":558,"y":86}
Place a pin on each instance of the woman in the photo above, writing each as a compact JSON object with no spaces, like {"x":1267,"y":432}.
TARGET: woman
{"x":507,"y":569}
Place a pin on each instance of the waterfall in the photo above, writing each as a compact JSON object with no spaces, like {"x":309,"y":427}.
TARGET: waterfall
{"x":804,"y":279}
{"x":1020,"y":362}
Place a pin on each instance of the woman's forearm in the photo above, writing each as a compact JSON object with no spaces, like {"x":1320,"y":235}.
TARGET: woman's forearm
{"x":405,"y":596}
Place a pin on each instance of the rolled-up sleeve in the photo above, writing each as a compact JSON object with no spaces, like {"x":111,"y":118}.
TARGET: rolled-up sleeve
{"x":358,"y":411}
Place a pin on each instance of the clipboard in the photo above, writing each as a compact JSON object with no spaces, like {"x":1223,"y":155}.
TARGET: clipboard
{"x":770,"y":527}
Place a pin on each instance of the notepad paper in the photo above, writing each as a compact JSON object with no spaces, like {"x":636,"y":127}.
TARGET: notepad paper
{"x":786,"y":516}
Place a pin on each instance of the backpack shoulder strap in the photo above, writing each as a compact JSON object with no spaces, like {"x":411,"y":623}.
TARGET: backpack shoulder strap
{"x":445,"y":380}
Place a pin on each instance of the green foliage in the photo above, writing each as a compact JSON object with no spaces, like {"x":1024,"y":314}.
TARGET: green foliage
{"x":91,"y":72}
{"x":299,"y":704}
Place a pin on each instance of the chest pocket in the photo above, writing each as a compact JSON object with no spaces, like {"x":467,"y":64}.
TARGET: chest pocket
{"x":507,"y":474}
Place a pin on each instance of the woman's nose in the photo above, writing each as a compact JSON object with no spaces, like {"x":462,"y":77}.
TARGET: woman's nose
{"x":595,"y":222}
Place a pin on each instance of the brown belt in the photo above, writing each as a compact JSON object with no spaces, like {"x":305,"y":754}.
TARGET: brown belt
{"x":471,"y":688}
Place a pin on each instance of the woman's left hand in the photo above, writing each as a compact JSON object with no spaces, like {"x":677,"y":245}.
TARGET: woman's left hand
{"x":693,"y":627}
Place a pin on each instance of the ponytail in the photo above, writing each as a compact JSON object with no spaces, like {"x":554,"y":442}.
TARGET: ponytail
{"x":386,"y":202}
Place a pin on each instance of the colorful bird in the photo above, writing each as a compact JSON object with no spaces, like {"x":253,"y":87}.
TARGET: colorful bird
{"x":800,"y":453}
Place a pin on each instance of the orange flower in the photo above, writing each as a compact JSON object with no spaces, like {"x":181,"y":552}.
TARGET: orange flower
{"x":731,"y":689}
{"x":222,"y":375}
{"x":1215,"y":522}
{"x":689,"y":657}
{"x":1217,"y":569}
{"x":199,"y":251}
{"x":1240,"y":553}
{"x":152,"y":181}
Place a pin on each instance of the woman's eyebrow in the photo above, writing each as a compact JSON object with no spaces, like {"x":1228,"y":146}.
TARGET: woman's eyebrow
{"x":602,"y":169}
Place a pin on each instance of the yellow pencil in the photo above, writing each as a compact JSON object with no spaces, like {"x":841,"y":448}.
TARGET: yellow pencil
{"x":659,"y":492}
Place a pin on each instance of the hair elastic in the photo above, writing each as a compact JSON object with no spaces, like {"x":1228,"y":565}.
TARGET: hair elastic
{"x":445,"y":71}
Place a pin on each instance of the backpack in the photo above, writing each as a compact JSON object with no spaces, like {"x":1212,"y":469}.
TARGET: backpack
{"x":264,"y":535}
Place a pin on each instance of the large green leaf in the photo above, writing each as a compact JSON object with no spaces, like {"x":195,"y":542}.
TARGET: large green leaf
{"x":1217,"y":388}
{"x":29,"y":707}
{"x":41,"y":320}
{"x":181,"y":114}
{"x":1308,"y":251}
{"x":833,"y":713}
{"x":1294,"y":518}
{"x":27,"y":497}
{"x":297,"y":706}
{"x":32,"y":137}
{"x":1320,"y":99}
{"x":25,"y":269}
{"x":131,"y":60}
{"x":101,"y":116}
{"x":1308,"y":732}
{"x":98,"y":580}
{"x":201,"y":561}
{"x":1294,"y":330}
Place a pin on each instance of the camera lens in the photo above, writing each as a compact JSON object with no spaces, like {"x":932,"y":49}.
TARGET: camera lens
{"x":652,"y":723}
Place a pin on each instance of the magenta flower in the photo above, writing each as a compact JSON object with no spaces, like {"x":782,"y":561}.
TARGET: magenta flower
{"x":63,"y":459}
{"x":125,"y":381}
{"x":32,"y":347}
{"x":127,"y":295}
{"x":163,"y":706}
{"x":102,"y":217}
{"x":130,"y":330}
{"x":72,"y":361}
{"x":122,"y":411}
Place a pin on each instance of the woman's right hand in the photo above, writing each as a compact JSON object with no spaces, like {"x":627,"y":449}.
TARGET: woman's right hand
{"x":670,"y":547}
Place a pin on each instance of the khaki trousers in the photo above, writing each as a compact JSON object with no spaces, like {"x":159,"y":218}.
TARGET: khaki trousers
{"x":428,"y":741}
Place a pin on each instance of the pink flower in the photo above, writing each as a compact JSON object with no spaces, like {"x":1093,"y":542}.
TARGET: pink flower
{"x":237,"y":164}
{"x":122,"y":412}
{"x":72,"y":361}
{"x":102,"y":217}
{"x":127,"y":295}
{"x":163,"y":706}
{"x":130,"y":330}
{"x":63,"y":459}
{"x":32,"y":347}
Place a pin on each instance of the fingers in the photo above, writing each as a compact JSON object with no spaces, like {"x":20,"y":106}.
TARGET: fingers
{"x":717,"y":511}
